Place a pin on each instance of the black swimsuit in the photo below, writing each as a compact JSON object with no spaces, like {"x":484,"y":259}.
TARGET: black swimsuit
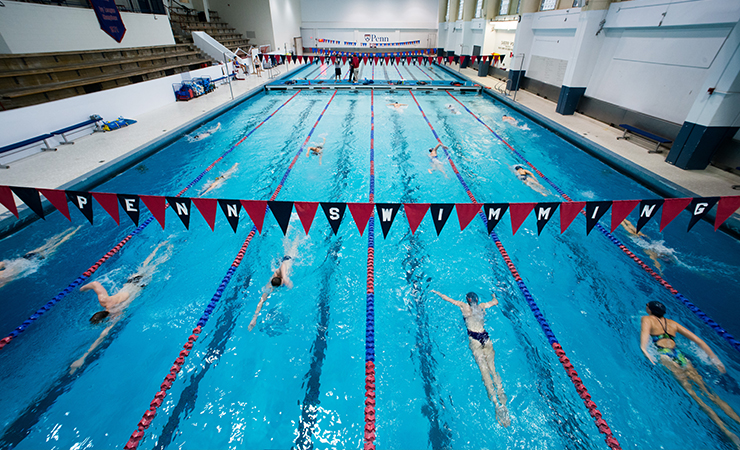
{"x":481,"y":337}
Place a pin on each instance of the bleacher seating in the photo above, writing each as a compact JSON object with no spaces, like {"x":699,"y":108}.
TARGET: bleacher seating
{"x":184,"y":22}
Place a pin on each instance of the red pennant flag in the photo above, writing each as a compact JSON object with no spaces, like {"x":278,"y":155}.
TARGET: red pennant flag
{"x":364,"y":59}
{"x":156,"y":205}
{"x":726,"y":207}
{"x":568,"y":212}
{"x":306,"y":212}
{"x":485,"y":59}
{"x":300,"y":59}
{"x":620,"y":210}
{"x":495,"y":58}
{"x":387,"y":60}
{"x":415,"y":213}
{"x":466,"y":212}
{"x":398,"y":60}
{"x":672,"y":207}
{"x":420,"y":59}
{"x":109,"y":202}
{"x":361,"y":213}
{"x":321,"y":58}
{"x":439,"y":60}
{"x":256,"y":210}
{"x":375,"y":60}
{"x":207,"y":208}
{"x":58,"y":199}
{"x":473,"y":58}
{"x":519,"y":212}
{"x":344,"y":60}
{"x":333,"y":59}
{"x":310,"y":59}
{"x":408,"y":61}
{"x":450,"y":59}
{"x":7,"y":200}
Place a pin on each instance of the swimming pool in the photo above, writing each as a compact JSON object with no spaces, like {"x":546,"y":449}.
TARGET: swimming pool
{"x":298,"y":379}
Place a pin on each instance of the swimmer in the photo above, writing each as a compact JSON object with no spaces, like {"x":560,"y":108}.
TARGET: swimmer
{"x":512,"y":121}
{"x":206,"y":133}
{"x":452,"y":109}
{"x":397,"y":106}
{"x":482,"y":348}
{"x":529,"y":179}
{"x":655,"y":250}
{"x":12,"y":269}
{"x":436,"y":163}
{"x":280,"y":277}
{"x":220,"y":179}
{"x":114,"y":305}
{"x":662,"y":332}
{"x":316,"y":149}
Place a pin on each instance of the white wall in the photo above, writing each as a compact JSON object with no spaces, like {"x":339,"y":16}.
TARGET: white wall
{"x":36,"y":28}
{"x":499,"y":38}
{"x":252,"y":15}
{"x":286,"y":22}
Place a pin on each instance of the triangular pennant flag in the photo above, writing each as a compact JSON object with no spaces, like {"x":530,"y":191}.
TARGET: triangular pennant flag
{"x":334,"y":213}
{"x":408,"y":63}
{"x":450,"y":59}
{"x":231,"y":209}
{"x":502,"y":58}
{"x":207,"y":208}
{"x":282,"y":212}
{"x":473,"y":59}
{"x":466,"y":212}
{"x":519,"y":212}
{"x":727,"y":206}
{"x":333,"y":59}
{"x":83,"y":202}
{"x":32,"y":199}
{"x":544,"y":212}
{"x":398,"y":60}
{"x":321,"y":58}
{"x":306,"y":212}
{"x":440,"y":213}
{"x":568,"y":212}
{"x":58,"y":199}
{"x":671,"y":209}
{"x":156,"y":205}
{"x":620,"y":210}
{"x":364,"y":59}
{"x":181,"y":206}
{"x":361,"y":213}
{"x":647,"y":209}
{"x":109,"y":202}
{"x":130,"y":204}
{"x":386,"y":215}
{"x":699,"y":208}
{"x":256,"y":210}
{"x":300,"y":59}
{"x":7,"y":200}
{"x":415,"y":214}
{"x":494,"y":212}
{"x":594,"y":212}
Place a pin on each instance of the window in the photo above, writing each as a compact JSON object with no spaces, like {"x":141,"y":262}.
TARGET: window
{"x":504,"y":8}
{"x":578,"y":3}
{"x":460,"y":10}
{"x":447,"y":14}
{"x":548,"y":5}
{"x":479,"y":9}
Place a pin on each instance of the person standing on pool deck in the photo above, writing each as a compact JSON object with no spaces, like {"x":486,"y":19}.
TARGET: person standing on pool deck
{"x":337,"y":69}
{"x":280,"y":277}
{"x":482,"y":348}
{"x":663,"y":331}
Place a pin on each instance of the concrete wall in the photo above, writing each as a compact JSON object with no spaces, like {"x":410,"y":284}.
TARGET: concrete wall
{"x":36,"y":28}
{"x":252,"y":15}
{"x":286,"y":22}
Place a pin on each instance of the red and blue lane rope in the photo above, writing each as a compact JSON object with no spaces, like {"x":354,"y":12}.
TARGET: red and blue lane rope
{"x":601,"y":424}
{"x":425,"y":73}
{"x":88,"y":273}
{"x":399,"y":72}
{"x":695,"y":309}
{"x":150,"y":413}
{"x":369,"y":435}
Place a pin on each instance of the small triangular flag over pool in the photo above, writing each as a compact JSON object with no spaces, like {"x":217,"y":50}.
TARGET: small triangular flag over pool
{"x":440,"y":213}
{"x":386,"y":214}
{"x":58,"y":199}
{"x":648,"y":209}
{"x":130,"y":204}
{"x":671,"y":209}
{"x":727,"y":206}
{"x":32,"y":199}
{"x":519,"y":212}
{"x":256,"y":210}
{"x":306,"y":212}
{"x":7,"y":200}
{"x":620,"y":210}
{"x":466,"y":212}
{"x":156,"y":205}
{"x":231,"y":209}
{"x":544,"y":212}
{"x":207,"y":208}
{"x":494,"y":213}
{"x":334,"y":213}
{"x":109,"y":202}
{"x":415,"y":214}
{"x":181,"y":206}
{"x":361,"y":213}
{"x":281,"y":211}
{"x":594,"y":212}
{"x":568,"y":213}
{"x":699,"y":208}
{"x":83,"y":202}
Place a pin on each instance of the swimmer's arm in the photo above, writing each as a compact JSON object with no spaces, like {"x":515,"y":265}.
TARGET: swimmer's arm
{"x":287,"y":282}
{"x":703,"y":345}
{"x":493,"y":302}
{"x":645,"y":338}
{"x":268,"y":290}
{"x":77,"y":364}
{"x":448,"y":299}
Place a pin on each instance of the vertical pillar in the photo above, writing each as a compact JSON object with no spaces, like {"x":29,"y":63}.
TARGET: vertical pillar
{"x":442,"y":10}
{"x":522,"y":44}
{"x":206,"y":7}
{"x":491,"y":9}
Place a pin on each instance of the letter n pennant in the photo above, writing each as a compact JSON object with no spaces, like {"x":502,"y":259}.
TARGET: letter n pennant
{"x":181,"y":206}
{"x":83,"y":201}
{"x":594,"y":212}
{"x":440,"y":213}
{"x":281,"y":211}
{"x":519,"y":212}
{"x":231,"y":209}
{"x":671,"y":209}
{"x":306,"y":212}
{"x":32,"y":199}
{"x":334,"y":213}
{"x":647,"y":209}
{"x":58,"y":199}
{"x":130,"y":204}
{"x":415,"y":214}
{"x":727,"y":206}
{"x":361,"y":213}
{"x":544,"y":212}
{"x":386,"y":214}
{"x":156,"y":205}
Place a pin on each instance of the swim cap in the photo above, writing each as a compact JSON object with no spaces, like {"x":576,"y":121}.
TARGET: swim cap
{"x":472,"y":298}
{"x":656,"y":308}
{"x":276,"y":281}
{"x":98,"y":317}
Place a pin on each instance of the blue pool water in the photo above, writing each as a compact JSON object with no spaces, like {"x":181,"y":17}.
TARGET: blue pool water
{"x":298,"y":379}
{"x":380,"y":72}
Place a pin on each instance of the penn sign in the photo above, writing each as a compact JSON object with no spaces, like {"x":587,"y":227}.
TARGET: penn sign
{"x":376,"y":38}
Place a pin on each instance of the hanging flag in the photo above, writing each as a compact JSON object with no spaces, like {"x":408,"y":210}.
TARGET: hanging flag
{"x":568,"y":212}
{"x":386,"y":215}
{"x":519,"y":212}
{"x":648,"y":209}
{"x":7,"y":200}
{"x":440,"y":213}
{"x":671,"y":209}
{"x":494,"y":212}
{"x":207,"y":208}
{"x":334,"y":213}
{"x":109,"y":202}
{"x":727,"y":206}
{"x":130,"y":204}
{"x":181,"y":206}
{"x":306,"y":212}
{"x":415,"y":214}
{"x":156,"y":205}
{"x":282,"y":212}
{"x":256,"y":209}
{"x":364,"y":59}
{"x":83,"y":202}
{"x":333,"y":59}
{"x":58,"y":199}
{"x":31,"y":198}
{"x":544,"y":212}
{"x":361,"y":213}
{"x":398,"y":60}
{"x":473,"y":58}
{"x":109,"y":18}
{"x":321,"y":58}
{"x":466,"y":212}
{"x":231,"y":209}
{"x":408,"y":60}
{"x":450,"y":59}
{"x":439,"y":60}
{"x":300,"y":59}
{"x":594,"y":212}
{"x":620,"y":210}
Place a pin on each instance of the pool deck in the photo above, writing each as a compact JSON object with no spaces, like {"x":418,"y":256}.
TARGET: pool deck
{"x":94,"y":157}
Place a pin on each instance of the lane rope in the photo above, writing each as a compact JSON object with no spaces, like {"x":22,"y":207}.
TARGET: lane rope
{"x":369,"y":442}
{"x":88,"y":273}
{"x":698,"y":312}
{"x":601,"y":424}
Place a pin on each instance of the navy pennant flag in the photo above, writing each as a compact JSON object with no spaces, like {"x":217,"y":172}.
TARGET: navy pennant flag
{"x":130,"y":204}
{"x":494,"y":213}
{"x":647,"y":210}
{"x":281,"y":211}
{"x":386,"y":214}
{"x":109,"y":18}
{"x":231,"y":209}
{"x":594,"y":212}
{"x":440,"y":213}
{"x":31,"y":198}
{"x":83,"y":202}
{"x":699,"y":208}
{"x":181,"y":206}
{"x":544,"y":212}
{"x":334,"y":213}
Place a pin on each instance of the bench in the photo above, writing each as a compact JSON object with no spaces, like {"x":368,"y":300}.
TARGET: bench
{"x":647,"y":135}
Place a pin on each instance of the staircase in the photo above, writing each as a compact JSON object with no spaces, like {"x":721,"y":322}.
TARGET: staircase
{"x":184,"y":22}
